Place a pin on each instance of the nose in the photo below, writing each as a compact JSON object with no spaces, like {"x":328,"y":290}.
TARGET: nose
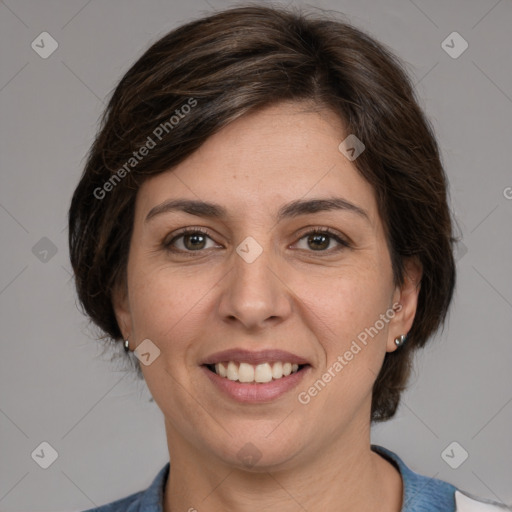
{"x":254,"y":294}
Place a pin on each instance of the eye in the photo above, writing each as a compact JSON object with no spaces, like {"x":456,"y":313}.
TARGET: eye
{"x":320,"y":239}
{"x":190,"y":240}
{"x":195,"y":240}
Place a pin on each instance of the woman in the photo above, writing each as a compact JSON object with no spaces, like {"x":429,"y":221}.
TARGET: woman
{"x":263,"y":220}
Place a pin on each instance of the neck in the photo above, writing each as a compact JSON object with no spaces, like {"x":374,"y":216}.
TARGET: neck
{"x":346,"y":476}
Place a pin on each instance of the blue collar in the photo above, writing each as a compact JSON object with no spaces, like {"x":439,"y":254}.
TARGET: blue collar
{"x":420,"y":493}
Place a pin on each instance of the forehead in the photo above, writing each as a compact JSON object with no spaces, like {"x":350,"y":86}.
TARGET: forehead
{"x":263,"y":160}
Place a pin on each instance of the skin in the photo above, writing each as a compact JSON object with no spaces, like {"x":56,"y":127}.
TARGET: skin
{"x":304,"y":297}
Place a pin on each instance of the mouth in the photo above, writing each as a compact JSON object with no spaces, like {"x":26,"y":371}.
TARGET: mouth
{"x":255,"y":377}
{"x":249,"y":373}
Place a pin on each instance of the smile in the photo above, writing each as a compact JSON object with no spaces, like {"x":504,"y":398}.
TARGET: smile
{"x":255,"y":377}
{"x":249,"y":373}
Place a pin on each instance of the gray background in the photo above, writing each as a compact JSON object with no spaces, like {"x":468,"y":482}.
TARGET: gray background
{"x":57,"y":386}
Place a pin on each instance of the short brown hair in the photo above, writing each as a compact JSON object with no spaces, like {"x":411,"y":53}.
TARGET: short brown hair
{"x":233,"y":62}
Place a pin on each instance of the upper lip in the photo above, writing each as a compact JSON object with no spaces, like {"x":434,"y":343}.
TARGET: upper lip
{"x":247,"y":356}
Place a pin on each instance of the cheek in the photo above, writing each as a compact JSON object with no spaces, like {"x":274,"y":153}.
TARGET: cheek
{"x":348,"y":321}
{"x":348,"y":304}
{"x":167,"y":306}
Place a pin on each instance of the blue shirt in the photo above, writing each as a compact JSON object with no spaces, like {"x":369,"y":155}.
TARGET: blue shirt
{"x":420,"y":494}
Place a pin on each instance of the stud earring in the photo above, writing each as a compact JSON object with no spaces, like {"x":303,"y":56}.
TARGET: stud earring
{"x":400,"y":340}
{"x":126,"y":345}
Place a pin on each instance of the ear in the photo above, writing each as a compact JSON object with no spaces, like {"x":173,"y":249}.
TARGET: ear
{"x":121,"y":308}
{"x":407,"y":296}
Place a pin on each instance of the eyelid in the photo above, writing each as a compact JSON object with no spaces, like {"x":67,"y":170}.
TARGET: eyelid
{"x":343,"y":239}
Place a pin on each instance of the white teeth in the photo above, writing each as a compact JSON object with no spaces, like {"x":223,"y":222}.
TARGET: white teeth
{"x":232,"y":372}
{"x":264,"y":372}
{"x":277,"y":370}
{"x":245,"y":373}
{"x":221,"y":370}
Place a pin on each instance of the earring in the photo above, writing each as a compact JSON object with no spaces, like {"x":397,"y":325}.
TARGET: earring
{"x":126,"y":345}
{"x":400,"y":340}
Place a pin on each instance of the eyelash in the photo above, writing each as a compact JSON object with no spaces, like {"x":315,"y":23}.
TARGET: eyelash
{"x":191,"y":231}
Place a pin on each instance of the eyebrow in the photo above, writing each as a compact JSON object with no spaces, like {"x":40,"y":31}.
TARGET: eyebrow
{"x":289,"y":210}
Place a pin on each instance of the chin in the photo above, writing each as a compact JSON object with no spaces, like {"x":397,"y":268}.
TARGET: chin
{"x":259,"y":454}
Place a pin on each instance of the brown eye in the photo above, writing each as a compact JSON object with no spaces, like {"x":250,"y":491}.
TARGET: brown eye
{"x":191,"y":240}
{"x":319,"y":240}
{"x":194,"y":241}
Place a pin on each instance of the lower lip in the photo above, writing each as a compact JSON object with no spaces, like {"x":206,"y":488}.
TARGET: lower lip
{"x":256,"y":392}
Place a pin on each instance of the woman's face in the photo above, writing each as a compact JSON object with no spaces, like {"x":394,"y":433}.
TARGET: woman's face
{"x":256,"y":281}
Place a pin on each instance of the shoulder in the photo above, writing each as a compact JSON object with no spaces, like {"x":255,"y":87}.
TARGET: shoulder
{"x":129,"y":504}
{"x":149,"y":500}
{"x":425,"y":494}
